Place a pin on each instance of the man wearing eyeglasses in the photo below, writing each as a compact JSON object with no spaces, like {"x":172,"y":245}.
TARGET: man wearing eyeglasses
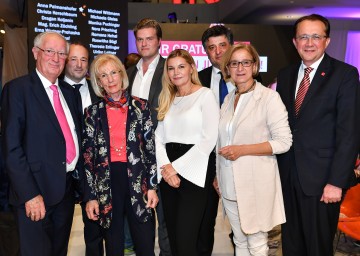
{"x":321,"y":95}
{"x":41,"y":138}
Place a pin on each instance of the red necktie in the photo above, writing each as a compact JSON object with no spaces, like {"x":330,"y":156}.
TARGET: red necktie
{"x":303,"y":88}
{"x":60,"y":114}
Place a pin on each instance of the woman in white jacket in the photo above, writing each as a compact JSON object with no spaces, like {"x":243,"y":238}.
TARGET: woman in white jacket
{"x":253,"y":128}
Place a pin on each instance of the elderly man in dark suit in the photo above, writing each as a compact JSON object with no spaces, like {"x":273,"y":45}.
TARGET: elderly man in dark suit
{"x":145,"y":82}
{"x":41,"y":138}
{"x":322,"y":98}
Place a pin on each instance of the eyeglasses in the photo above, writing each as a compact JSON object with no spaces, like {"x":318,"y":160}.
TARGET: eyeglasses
{"x":113,"y":74}
{"x":244,"y":63}
{"x":314,"y":37}
{"x":51,"y":53}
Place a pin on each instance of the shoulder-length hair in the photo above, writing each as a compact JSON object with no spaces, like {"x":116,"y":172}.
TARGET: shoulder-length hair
{"x":227,"y":57}
{"x":169,"y":90}
{"x":100,"y":61}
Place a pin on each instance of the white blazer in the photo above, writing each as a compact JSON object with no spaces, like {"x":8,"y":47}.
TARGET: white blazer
{"x":256,"y":178}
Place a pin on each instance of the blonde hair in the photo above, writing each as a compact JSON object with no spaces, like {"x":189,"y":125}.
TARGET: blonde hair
{"x":100,"y":61}
{"x":169,"y":90}
{"x":241,"y":46}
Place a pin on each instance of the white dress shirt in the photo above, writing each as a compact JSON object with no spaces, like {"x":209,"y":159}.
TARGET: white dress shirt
{"x":46,"y":83}
{"x":142,"y":82}
{"x":214,"y":85}
{"x":84,"y":91}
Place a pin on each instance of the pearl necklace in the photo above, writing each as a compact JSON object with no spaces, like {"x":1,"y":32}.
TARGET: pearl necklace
{"x":182,"y":96}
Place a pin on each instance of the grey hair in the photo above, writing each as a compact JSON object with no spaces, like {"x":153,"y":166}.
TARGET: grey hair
{"x":40,"y":37}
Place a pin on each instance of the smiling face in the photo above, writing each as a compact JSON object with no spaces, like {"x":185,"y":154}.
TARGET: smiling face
{"x":179,"y":72}
{"x":147,"y":43}
{"x":311,"y":50}
{"x":77,"y":63}
{"x":50,"y":66}
{"x":216,"y":47}
{"x":241,"y":75}
{"x":110,"y":79}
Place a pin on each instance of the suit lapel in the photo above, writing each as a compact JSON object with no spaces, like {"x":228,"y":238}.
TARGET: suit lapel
{"x":316,"y":83}
{"x":94,"y":98}
{"x":104,"y":126}
{"x":43,"y":99}
{"x":68,"y":93}
{"x":131,"y":74}
{"x":156,"y":83}
{"x":205,"y":76}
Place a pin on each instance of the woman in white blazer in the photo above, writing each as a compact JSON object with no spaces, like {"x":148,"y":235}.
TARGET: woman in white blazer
{"x":253,"y":129}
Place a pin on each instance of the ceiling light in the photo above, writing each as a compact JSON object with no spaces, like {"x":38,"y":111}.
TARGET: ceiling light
{"x":2,"y":31}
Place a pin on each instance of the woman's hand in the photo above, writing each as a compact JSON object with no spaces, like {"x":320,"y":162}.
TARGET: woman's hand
{"x":152,"y":199}
{"x":169,"y":174}
{"x":174,"y":181}
{"x":167,"y":171}
{"x":92,"y":209}
{"x":231,"y":152}
{"x":216,"y":186}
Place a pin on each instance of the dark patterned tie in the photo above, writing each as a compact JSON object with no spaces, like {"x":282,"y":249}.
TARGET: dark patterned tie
{"x":223,"y":90}
{"x":77,"y":86}
{"x":303,"y":88}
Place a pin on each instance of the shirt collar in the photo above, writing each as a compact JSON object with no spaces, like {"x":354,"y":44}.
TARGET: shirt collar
{"x":215,"y":70}
{"x":71,"y":82}
{"x":315,"y":65}
{"x":152,"y":65}
{"x":46,"y":83}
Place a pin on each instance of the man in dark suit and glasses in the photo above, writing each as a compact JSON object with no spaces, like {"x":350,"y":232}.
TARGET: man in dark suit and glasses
{"x":41,"y":136}
{"x":145,"y":82}
{"x":216,"y":41}
{"x":76,"y":70}
{"x":321,"y":95}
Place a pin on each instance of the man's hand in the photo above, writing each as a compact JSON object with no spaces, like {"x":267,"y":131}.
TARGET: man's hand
{"x":152,"y":199}
{"x":331,"y":194}
{"x":92,"y":210}
{"x":35,"y":208}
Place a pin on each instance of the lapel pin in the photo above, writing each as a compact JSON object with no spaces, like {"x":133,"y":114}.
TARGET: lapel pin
{"x":323,"y":74}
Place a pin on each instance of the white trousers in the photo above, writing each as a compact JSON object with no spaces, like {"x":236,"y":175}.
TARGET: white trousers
{"x":245,"y":244}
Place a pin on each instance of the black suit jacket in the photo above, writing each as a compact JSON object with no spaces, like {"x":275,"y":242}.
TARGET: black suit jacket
{"x":205,"y":76}
{"x":155,"y":87}
{"x":325,"y":133}
{"x":93,"y":96}
{"x":33,"y":144}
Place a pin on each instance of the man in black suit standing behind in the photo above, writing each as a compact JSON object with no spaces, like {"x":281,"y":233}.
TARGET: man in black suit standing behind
{"x":145,"y":82}
{"x":216,"y":41}
{"x":41,"y":138}
{"x":76,"y":69}
{"x":321,"y":95}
